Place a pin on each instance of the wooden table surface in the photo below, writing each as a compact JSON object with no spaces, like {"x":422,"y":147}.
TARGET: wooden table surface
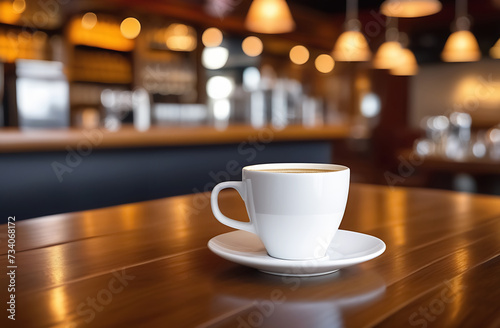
{"x":148,"y":265}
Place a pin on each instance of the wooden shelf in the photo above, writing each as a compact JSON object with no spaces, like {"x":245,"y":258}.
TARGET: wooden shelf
{"x":472,"y":166}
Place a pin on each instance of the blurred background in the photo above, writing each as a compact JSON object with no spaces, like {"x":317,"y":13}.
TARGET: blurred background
{"x":417,"y":97}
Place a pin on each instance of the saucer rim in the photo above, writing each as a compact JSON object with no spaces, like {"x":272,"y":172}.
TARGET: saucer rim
{"x":325,"y":263}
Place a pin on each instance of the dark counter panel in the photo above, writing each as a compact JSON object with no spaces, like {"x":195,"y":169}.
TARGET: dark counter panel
{"x":44,"y":183}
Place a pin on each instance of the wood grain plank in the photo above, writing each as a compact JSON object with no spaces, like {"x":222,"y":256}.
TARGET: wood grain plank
{"x":192,"y":288}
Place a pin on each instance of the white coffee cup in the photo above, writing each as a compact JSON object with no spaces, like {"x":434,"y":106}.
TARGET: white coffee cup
{"x":294,"y":208}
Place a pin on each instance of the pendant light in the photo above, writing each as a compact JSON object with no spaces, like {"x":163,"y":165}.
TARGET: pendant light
{"x":269,"y":16}
{"x":406,"y":64}
{"x":461,"y":45}
{"x":410,"y":8}
{"x":351,"y":45}
{"x":495,"y":50}
{"x":389,"y":52}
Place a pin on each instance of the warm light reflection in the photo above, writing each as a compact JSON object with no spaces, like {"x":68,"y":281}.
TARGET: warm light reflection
{"x":457,"y":286}
{"x":129,"y":217}
{"x":410,"y":8}
{"x":351,"y":46}
{"x":362,"y":83}
{"x":90,"y":118}
{"x":130,"y":27}
{"x":89,"y":226}
{"x":89,"y":21}
{"x":212,"y":37}
{"x":8,"y":14}
{"x":180,"y":37}
{"x":478,"y":89}
{"x":105,"y":34}
{"x":22,"y":45}
{"x":299,"y":55}
{"x":252,"y":46}
{"x":58,"y":303}
{"x":395,"y":209}
{"x":461,"y":46}
{"x":19,"y":6}
{"x":269,"y":16}
{"x":183,"y":220}
{"x":57,"y":264}
{"x":324,"y":63}
{"x":462,"y":204}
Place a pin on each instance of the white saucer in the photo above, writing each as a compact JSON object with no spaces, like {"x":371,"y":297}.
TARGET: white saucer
{"x":347,"y":248}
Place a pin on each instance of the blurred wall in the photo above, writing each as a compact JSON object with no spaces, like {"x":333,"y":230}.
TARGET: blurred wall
{"x":446,"y":87}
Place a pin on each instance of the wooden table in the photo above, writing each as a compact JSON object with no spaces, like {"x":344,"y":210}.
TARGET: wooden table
{"x":148,"y":265}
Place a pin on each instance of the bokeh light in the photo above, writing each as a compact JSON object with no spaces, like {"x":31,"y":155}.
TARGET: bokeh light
{"x":214,"y":58}
{"x":212,"y":37}
{"x":299,"y":55}
{"x":89,"y":20}
{"x":252,"y":46}
{"x":324,"y":63}
{"x":130,"y":28}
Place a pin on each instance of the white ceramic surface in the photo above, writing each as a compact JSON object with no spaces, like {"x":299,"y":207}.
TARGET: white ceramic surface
{"x":347,"y":248}
{"x":296,"y":215}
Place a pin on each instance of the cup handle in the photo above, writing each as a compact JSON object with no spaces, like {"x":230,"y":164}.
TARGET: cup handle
{"x":240,"y":188}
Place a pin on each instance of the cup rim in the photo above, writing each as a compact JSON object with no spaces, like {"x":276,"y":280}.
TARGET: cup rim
{"x":324,"y":166}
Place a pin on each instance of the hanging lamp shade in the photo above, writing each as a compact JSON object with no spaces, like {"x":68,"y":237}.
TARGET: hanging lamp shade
{"x":495,"y":50}
{"x":410,"y":8}
{"x":461,"y":46}
{"x":269,"y":16}
{"x":351,"y":46}
{"x":406,"y":64}
{"x":387,"y":55}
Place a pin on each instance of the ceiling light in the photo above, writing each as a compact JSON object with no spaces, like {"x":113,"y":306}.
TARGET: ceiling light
{"x":387,"y":55}
{"x":269,"y":16}
{"x":351,"y":45}
{"x":406,"y":64}
{"x":461,"y":45}
{"x":410,"y":8}
{"x":495,"y":50}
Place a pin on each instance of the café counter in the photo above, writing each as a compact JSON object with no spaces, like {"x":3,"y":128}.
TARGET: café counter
{"x":73,"y":169}
{"x":15,"y":140}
